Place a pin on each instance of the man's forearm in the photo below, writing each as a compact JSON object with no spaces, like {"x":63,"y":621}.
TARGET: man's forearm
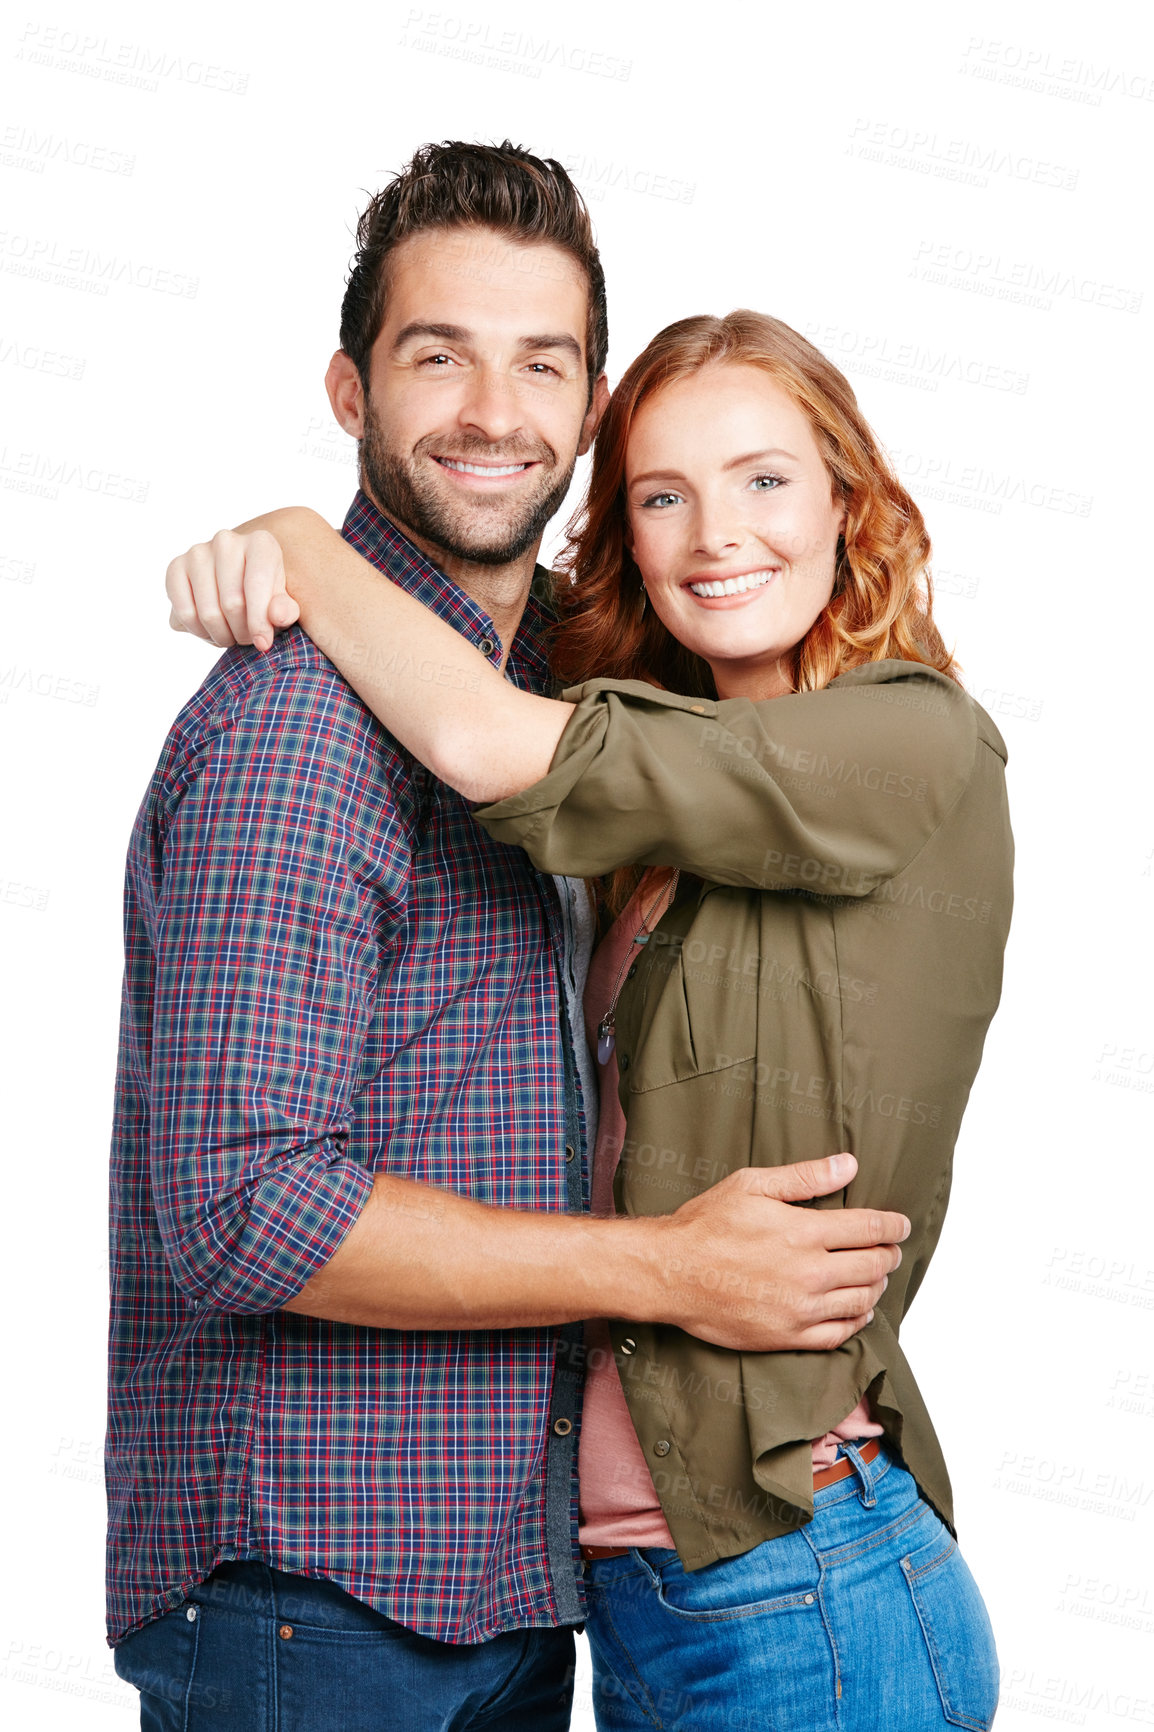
{"x":738,"y":1265}
{"x":433,"y":690}
{"x":422,"y":1258}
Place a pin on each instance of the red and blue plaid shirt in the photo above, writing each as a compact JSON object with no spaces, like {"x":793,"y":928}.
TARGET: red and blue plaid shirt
{"x":331,"y":970}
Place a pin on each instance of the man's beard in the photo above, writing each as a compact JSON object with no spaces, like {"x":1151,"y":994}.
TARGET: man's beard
{"x":483,"y":531}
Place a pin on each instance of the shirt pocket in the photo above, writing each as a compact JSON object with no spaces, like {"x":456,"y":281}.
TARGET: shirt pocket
{"x":692,"y":1008}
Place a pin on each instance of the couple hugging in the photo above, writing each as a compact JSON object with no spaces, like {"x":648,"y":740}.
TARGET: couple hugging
{"x":533,"y":1122}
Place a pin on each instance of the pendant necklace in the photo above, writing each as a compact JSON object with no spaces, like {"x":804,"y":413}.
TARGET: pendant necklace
{"x":606,"y":1036}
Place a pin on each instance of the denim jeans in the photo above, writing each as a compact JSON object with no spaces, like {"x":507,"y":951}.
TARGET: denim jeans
{"x":865,"y":1620}
{"x":254,"y":1649}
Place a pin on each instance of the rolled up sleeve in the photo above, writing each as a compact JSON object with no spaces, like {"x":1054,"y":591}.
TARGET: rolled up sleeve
{"x":832,"y":791}
{"x":264,"y":917}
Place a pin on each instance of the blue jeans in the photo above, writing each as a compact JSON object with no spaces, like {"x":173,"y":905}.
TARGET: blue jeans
{"x":254,"y":1649}
{"x":866,"y":1620}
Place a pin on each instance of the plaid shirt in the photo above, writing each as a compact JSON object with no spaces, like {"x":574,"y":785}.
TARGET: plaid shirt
{"x":331,"y":970}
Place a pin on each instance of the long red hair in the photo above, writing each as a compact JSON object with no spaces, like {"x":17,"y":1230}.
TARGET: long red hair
{"x":882,"y":599}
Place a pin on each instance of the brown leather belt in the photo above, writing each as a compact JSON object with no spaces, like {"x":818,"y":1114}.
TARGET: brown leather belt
{"x":823,"y":1477}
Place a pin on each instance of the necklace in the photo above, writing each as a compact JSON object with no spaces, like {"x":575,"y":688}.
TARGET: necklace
{"x":606,"y":1028}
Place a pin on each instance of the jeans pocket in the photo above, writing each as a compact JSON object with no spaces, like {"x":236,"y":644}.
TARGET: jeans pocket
{"x":160,"y":1660}
{"x":753,"y":1583}
{"x":956,"y":1627}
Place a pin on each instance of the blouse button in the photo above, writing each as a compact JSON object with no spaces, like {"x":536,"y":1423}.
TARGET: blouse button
{"x":661,"y":1447}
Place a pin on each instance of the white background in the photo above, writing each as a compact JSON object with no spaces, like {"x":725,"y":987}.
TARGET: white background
{"x":956,"y":206}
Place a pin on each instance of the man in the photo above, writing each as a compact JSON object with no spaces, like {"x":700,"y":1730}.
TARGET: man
{"x":350,"y":1259}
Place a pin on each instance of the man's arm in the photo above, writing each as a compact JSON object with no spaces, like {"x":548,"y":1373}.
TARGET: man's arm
{"x":266,"y":956}
{"x":737,"y":1265}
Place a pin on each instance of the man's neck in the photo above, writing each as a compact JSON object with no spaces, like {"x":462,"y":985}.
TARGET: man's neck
{"x":502,"y":590}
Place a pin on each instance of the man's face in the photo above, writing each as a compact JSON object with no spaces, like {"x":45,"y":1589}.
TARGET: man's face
{"x":478,"y":400}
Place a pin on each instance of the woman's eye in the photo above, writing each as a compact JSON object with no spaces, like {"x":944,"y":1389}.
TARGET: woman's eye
{"x":660,"y":500}
{"x":766,"y":483}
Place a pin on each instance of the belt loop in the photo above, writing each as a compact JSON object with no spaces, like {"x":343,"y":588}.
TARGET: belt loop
{"x":864,"y":1471}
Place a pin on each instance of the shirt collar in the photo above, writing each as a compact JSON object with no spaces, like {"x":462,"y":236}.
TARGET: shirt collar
{"x":383,"y":544}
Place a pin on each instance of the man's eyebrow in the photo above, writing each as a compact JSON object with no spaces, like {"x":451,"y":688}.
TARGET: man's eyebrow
{"x":734,"y":463}
{"x":417,"y":330}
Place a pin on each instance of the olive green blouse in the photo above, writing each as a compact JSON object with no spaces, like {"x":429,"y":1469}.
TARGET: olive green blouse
{"x":823,"y":981}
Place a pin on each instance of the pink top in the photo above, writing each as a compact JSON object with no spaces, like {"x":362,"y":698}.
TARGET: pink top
{"x":619,"y":1505}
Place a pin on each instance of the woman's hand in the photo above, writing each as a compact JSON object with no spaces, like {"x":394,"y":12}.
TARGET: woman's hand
{"x":231,"y":589}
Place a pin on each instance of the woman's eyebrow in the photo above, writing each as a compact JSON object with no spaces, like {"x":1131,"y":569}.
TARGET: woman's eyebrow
{"x":756,"y":457}
{"x":734,"y":463}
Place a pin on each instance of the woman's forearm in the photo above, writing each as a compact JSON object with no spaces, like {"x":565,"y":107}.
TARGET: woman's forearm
{"x":432,"y":689}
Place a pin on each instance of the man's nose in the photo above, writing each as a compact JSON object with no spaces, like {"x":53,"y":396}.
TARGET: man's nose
{"x":491,"y":405}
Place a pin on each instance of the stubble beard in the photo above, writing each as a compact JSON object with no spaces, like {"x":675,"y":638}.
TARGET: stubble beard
{"x":485,"y":531}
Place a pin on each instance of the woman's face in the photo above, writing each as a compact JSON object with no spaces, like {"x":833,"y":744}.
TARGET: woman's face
{"x":732,"y":521}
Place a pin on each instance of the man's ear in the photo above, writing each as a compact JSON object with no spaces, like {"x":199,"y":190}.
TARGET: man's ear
{"x":346,"y":394}
{"x":597,"y":407}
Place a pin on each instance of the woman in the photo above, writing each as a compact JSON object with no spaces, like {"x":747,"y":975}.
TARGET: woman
{"x":804,"y":817}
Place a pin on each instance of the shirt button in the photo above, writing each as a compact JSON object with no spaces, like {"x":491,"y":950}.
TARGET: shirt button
{"x":629,"y":1345}
{"x":285,"y":1632}
{"x":623,"y":1061}
{"x":632,"y":972}
{"x":809,"y":1599}
{"x":562,"y":1427}
{"x":190,"y":1614}
{"x":486,"y":646}
{"x":570,"y":1151}
{"x":661,"y":1447}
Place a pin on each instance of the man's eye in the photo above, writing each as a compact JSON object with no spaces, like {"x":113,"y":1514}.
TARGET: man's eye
{"x":543,"y":367}
{"x":438,"y":360}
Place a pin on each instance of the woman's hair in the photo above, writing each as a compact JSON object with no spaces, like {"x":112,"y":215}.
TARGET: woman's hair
{"x":881,"y":605}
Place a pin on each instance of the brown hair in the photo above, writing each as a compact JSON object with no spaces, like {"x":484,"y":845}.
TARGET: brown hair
{"x":882,"y":600}
{"x":480,"y":186}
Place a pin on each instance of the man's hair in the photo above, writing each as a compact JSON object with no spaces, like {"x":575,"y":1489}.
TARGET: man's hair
{"x":455,"y":185}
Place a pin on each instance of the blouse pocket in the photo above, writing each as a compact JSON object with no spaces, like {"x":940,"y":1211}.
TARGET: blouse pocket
{"x":957,"y":1631}
{"x":693,"y":1009}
